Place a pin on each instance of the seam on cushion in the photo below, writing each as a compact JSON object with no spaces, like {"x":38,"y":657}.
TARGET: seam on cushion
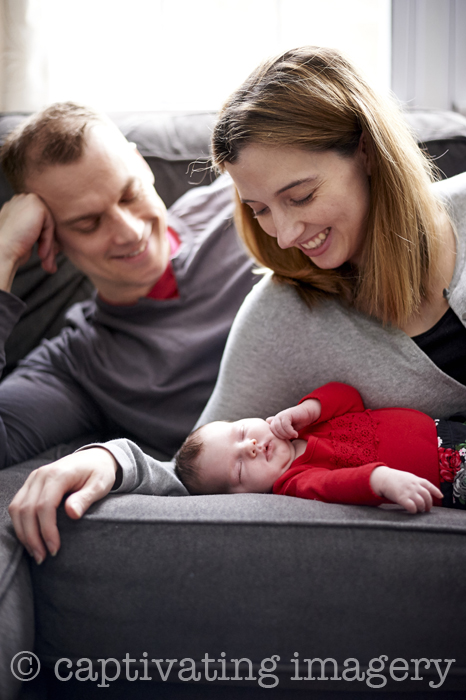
{"x":320,"y":524}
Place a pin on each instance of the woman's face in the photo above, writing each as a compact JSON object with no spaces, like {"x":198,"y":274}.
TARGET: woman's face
{"x":315,"y":201}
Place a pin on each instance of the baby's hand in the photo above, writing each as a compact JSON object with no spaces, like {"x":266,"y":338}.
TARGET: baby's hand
{"x":410,"y":491}
{"x":285,"y":425}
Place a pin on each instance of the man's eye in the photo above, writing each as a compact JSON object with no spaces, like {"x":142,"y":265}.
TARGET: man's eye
{"x":88,"y":227}
{"x":131,"y":196}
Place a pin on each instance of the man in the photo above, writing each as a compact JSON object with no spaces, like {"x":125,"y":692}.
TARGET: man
{"x":142,"y":358}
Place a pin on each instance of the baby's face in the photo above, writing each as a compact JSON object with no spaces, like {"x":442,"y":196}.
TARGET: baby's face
{"x":242,"y":457}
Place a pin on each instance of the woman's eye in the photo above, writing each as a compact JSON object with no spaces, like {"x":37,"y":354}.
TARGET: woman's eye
{"x":300,"y":202}
{"x":261,"y":212}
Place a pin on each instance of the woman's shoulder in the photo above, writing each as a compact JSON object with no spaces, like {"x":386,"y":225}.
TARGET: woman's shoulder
{"x":452,"y":191}
{"x":270,"y":299}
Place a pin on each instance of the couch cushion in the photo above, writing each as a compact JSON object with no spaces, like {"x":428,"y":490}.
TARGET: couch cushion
{"x":16,"y":608}
{"x":443,"y":135}
{"x":253,"y":576}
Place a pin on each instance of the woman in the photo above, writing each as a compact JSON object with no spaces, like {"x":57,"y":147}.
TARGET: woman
{"x":335,"y":197}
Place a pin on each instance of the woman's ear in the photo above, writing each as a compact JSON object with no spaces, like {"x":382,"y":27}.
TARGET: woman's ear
{"x":364,"y":150}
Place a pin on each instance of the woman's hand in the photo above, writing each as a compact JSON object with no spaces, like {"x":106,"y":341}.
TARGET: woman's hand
{"x":410,"y":491}
{"x":88,"y":475}
{"x":285,"y":425}
{"x":24,"y":221}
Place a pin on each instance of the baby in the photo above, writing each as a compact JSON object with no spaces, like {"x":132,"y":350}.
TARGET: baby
{"x":330,"y":448}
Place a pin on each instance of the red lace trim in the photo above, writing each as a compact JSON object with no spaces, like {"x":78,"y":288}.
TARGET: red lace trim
{"x":354,"y":439}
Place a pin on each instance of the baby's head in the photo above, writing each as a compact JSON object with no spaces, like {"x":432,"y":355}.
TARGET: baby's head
{"x":239,"y":457}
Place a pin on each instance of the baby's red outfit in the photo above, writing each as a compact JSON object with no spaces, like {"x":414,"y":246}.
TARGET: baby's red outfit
{"x":348,"y":442}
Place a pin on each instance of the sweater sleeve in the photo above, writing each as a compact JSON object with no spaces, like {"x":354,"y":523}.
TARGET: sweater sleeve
{"x":140,"y":472}
{"x":350,"y":485}
{"x":336,"y":399}
{"x":39,"y":405}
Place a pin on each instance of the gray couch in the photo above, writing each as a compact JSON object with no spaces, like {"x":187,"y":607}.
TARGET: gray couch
{"x":195,"y":583}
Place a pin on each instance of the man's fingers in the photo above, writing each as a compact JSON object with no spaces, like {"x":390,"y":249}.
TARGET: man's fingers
{"x":47,"y":245}
{"x":78,"y":503}
{"x":34,"y":510}
{"x":24,"y":514}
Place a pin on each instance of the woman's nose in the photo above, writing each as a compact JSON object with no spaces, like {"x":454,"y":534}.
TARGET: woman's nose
{"x":288,"y":229}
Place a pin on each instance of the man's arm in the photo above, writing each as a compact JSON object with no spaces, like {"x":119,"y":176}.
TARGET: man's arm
{"x":39,"y":405}
{"x":87,"y":475}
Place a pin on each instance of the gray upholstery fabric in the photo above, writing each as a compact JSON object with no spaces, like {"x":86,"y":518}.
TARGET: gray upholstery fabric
{"x":16,"y":609}
{"x":255,"y":575}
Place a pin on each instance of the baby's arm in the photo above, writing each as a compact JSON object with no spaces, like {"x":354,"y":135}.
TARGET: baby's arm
{"x":285,"y":425}
{"x":408,"y":490}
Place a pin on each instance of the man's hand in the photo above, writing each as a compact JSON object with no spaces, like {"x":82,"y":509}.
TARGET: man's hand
{"x":410,"y":491}
{"x":285,"y":425}
{"x":88,"y":475}
{"x":25,"y":220}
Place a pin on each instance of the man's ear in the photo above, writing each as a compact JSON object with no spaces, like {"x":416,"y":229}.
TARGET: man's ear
{"x":145,"y":164}
{"x":364,"y":149}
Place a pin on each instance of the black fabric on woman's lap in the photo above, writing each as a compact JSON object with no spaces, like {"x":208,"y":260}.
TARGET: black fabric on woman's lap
{"x":445,"y":345}
{"x":451,"y":434}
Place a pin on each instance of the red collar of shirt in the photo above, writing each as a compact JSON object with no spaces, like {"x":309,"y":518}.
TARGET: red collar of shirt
{"x":166,"y":287}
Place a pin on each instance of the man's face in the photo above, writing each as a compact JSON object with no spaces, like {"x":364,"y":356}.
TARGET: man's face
{"x":109,"y":220}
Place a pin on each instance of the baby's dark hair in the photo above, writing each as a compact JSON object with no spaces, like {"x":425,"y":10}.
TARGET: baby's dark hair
{"x":187,"y":462}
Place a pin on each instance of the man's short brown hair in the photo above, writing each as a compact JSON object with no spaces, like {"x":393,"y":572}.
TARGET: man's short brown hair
{"x":56,"y":135}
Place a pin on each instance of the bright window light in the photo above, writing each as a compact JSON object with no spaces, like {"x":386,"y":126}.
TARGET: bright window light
{"x":190,"y":54}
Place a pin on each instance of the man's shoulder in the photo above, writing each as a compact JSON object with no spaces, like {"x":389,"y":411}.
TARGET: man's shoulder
{"x":203,"y":207}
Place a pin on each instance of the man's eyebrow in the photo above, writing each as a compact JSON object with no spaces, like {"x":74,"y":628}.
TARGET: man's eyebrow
{"x":131,"y":181}
{"x":290,"y":186}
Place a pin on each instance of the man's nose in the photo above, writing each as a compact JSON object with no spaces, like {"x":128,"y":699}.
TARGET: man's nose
{"x":289,"y":228}
{"x":126,"y":226}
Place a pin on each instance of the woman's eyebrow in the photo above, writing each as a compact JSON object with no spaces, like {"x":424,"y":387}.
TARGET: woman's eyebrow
{"x":290,"y":186}
{"x":295,"y":183}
